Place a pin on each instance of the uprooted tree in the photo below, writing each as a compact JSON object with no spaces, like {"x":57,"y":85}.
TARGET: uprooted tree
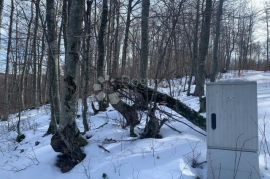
{"x":144,"y":99}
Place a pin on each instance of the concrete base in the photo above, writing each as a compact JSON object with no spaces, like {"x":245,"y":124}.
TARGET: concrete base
{"x":227,"y":164}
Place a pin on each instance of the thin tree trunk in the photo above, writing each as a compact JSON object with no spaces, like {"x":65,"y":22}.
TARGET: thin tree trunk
{"x":215,"y":66}
{"x":194,"y":67}
{"x":23,"y":75}
{"x":53,"y":66}
{"x":6,"y":111}
{"x":267,"y":41}
{"x":144,"y":40}
{"x":203,"y":49}
{"x":116,"y":41}
{"x":109,"y":38}
{"x":40,"y":79}
{"x":64,"y":21}
{"x":1,"y":12}
{"x":101,"y":49}
{"x":35,"y":76}
{"x":101,"y":35}
{"x":125,"y":45}
{"x":86,"y":65}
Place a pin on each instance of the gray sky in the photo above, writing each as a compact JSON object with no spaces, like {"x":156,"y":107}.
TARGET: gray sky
{"x":260,"y":26}
{"x":258,"y":3}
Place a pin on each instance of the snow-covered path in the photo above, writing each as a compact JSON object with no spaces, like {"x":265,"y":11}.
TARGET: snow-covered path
{"x":167,"y":158}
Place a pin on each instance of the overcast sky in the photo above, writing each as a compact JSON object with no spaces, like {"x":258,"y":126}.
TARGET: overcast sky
{"x":258,"y":3}
{"x":260,"y":27}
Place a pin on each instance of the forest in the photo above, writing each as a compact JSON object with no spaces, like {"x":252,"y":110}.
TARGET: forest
{"x":84,"y":58}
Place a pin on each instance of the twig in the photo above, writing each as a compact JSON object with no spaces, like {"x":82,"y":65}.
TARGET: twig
{"x":170,"y":115}
{"x":106,"y":150}
{"x":120,"y":140}
{"x":101,"y":126}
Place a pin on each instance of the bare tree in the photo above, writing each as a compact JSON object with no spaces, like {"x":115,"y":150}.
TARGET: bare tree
{"x":194,"y":67}
{"x":215,"y":66}
{"x":1,"y":11}
{"x":267,"y":17}
{"x":101,"y":35}
{"x":125,"y":45}
{"x":86,"y":63}
{"x":101,"y":49}
{"x":68,"y":139}
{"x":203,"y":49}
{"x":116,"y":50}
{"x":6,"y":111}
{"x":35,"y":57}
{"x":53,"y":66}
{"x":26,"y":59}
{"x":144,"y":40}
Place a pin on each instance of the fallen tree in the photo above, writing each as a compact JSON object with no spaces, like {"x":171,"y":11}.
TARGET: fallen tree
{"x":144,"y":97}
{"x":150,"y":95}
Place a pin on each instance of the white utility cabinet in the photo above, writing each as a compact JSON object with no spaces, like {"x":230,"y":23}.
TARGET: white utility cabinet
{"x":232,"y":130}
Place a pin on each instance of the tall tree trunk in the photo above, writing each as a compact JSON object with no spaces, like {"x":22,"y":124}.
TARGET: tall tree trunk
{"x":64,"y":21}
{"x":101,"y":49}
{"x":116,"y":41}
{"x":40,"y":76}
{"x":203,"y":49}
{"x":229,"y":48}
{"x":144,"y":40}
{"x":125,"y":45}
{"x":194,"y":67}
{"x":109,"y":38}
{"x":1,"y":12}
{"x":101,"y":35}
{"x":86,"y":64}
{"x":6,"y":111}
{"x":35,"y":76}
{"x":53,"y":66}
{"x":25,"y":64}
{"x":215,"y":66}
{"x":267,"y":40}
{"x":68,"y":140}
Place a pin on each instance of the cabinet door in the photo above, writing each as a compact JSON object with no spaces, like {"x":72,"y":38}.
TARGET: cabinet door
{"x":232,"y":116}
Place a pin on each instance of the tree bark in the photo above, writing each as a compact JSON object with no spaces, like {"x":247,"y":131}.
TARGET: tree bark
{"x":25,"y":64}
{"x":35,"y":58}
{"x":53,"y":66}
{"x":101,"y":36}
{"x":194,"y":68}
{"x":40,"y":75}
{"x":101,"y":49}
{"x":267,"y":40}
{"x":64,"y":21}
{"x":125,"y":45}
{"x":215,"y":66}
{"x":68,"y":140}
{"x":116,"y":41}
{"x":144,"y":40}
{"x":6,"y":111}
{"x":86,"y":65}
{"x":203,"y":49}
{"x":174,"y":104}
{"x":1,"y":12}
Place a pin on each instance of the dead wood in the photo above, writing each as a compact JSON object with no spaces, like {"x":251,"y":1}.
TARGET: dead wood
{"x":148,"y":94}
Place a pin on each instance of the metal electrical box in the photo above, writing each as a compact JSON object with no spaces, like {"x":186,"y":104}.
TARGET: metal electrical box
{"x":232,"y":130}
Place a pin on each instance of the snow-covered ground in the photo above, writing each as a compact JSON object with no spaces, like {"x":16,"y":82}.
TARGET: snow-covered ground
{"x":168,"y":158}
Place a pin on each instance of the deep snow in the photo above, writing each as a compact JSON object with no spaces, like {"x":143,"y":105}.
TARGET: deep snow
{"x":167,"y":158}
